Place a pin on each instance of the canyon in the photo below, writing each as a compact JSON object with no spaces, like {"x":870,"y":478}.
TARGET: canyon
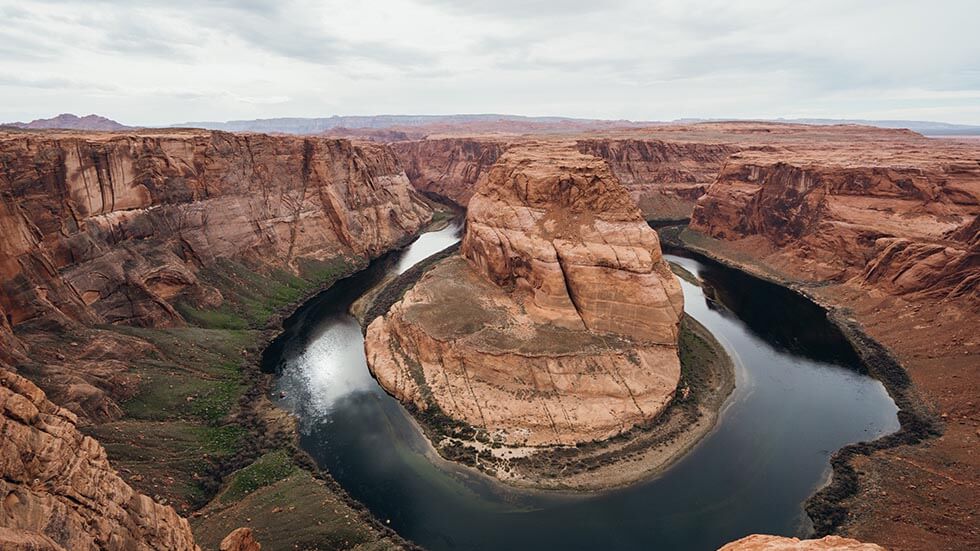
{"x":142,"y":271}
{"x":139,"y":271}
{"x":880,"y":227}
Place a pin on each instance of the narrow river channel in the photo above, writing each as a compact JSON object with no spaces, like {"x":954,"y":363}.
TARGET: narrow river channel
{"x":800,"y":396}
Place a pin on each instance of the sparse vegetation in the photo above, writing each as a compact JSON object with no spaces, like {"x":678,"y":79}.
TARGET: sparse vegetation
{"x":268,"y":469}
{"x":179,"y":431}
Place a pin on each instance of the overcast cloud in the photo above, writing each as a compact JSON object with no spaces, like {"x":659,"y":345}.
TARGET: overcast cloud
{"x":151,"y":62}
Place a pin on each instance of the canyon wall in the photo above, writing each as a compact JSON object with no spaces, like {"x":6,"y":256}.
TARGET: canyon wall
{"x":883,"y":231}
{"x":139,"y":230}
{"x":115,"y":228}
{"x":131,"y":268}
{"x":58,"y":491}
{"x":449,"y":167}
{"x":900,"y":224}
{"x":559,"y":323}
{"x":664,"y":178}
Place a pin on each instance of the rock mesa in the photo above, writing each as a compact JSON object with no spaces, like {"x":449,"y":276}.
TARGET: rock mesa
{"x":558,"y":324}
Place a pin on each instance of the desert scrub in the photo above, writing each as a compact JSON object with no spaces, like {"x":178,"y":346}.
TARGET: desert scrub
{"x":251,"y":297}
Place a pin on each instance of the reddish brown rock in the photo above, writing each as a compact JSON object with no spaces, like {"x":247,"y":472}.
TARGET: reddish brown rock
{"x":58,"y":490}
{"x":110,"y":228}
{"x":664,"y":178}
{"x":449,"y":167}
{"x":118,"y":228}
{"x":888,"y":218}
{"x":240,"y":539}
{"x":555,"y":224}
{"x":758,"y":542}
{"x":560,"y":326}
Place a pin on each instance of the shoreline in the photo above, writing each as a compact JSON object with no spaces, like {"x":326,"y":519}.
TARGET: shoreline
{"x":645,"y":453}
{"x":823,"y":508}
{"x":917,"y":422}
{"x":271,"y":427}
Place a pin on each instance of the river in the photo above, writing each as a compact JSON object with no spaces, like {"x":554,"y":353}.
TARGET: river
{"x":800,"y":395}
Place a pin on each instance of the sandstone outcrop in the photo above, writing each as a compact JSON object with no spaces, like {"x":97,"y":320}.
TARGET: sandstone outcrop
{"x":110,"y":228}
{"x":451,"y":168}
{"x":559,"y":323}
{"x":119,"y":228}
{"x":890,"y":219}
{"x":240,"y":539}
{"x":758,"y":542}
{"x":58,"y":491}
{"x":665,"y":178}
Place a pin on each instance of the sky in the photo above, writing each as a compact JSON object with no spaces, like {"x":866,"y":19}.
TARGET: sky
{"x":155,"y":62}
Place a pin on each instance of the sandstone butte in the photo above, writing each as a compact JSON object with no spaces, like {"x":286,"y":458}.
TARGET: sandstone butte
{"x":558,"y":324}
{"x":100,"y":232}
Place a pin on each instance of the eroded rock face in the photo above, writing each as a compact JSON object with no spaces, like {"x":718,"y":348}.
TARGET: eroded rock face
{"x":556,"y":224}
{"x":449,"y":167}
{"x":111,"y":228}
{"x":240,"y":539}
{"x":758,"y":542}
{"x":58,"y":490}
{"x":664,"y":178}
{"x":559,"y":324}
{"x":897,"y":222}
{"x":119,"y":228}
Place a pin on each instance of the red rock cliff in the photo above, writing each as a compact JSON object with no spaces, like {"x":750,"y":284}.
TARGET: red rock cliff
{"x":664,"y":178}
{"x":110,"y":228}
{"x":897,"y":219}
{"x":58,"y":491}
{"x":449,"y":167}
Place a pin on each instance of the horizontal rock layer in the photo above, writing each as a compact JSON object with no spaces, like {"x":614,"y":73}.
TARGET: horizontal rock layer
{"x":904,"y":225}
{"x":664,"y":178}
{"x":110,"y":228}
{"x":449,"y":167}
